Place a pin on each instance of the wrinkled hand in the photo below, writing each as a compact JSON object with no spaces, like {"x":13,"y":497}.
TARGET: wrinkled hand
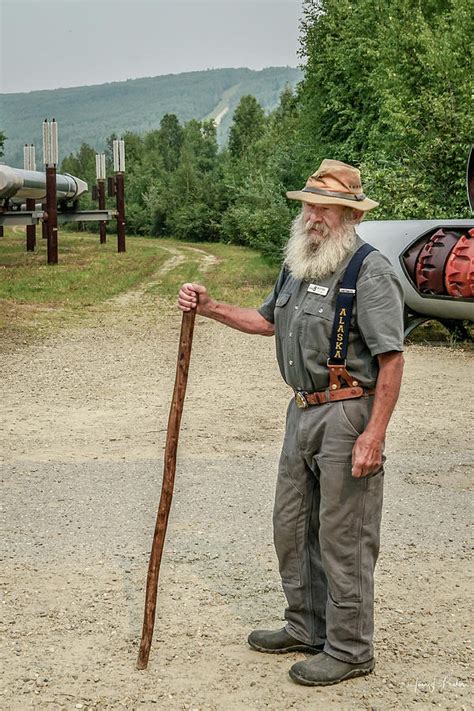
{"x":367,"y":455}
{"x":193,"y":296}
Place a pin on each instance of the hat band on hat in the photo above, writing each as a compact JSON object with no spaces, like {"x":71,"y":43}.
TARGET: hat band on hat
{"x":333,"y":193}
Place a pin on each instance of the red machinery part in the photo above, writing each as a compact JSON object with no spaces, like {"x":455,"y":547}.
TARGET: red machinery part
{"x":432,"y":260}
{"x":410,"y":258}
{"x":459,"y":277}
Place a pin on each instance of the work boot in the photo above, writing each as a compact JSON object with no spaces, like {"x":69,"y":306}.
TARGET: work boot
{"x":324,"y":670}
{"x":279,"y":642}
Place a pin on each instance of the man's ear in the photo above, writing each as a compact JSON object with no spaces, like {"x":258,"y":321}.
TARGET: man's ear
{"x":357,"y":216}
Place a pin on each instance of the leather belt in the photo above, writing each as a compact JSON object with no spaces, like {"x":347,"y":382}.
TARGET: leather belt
{"x":321,"y":397}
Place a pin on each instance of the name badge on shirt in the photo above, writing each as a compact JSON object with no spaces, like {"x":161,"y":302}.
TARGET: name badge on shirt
{"x":316,"y":289}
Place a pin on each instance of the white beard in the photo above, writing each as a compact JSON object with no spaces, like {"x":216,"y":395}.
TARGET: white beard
{"x":311,"y":256}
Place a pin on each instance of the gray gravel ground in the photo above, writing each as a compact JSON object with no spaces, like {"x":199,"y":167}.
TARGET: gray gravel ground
{"x":85,"y":416}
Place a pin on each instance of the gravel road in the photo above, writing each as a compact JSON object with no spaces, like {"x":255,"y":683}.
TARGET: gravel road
{"x":84,"y":424}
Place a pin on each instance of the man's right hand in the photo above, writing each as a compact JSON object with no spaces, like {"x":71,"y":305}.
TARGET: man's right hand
{"x":192,"y":295}
{"x":195,"y":296}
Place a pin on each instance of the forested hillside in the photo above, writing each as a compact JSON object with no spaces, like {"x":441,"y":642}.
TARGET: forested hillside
{"x":88,"y":114}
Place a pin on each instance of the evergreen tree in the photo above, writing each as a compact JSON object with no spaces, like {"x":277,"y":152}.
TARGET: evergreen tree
{"x":257,"y":177}
{"x":247,"y":127}
{"x":169,"y":140}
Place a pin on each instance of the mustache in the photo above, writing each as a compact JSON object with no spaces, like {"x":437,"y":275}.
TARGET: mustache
{"x":310,"y":225}
{"x":315,"y":231}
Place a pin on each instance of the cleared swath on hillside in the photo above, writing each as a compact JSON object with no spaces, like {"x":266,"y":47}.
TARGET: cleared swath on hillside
{"x":92,"y":113}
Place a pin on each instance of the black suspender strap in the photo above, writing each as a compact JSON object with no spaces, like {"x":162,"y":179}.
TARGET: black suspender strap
{"x":344,"y":303}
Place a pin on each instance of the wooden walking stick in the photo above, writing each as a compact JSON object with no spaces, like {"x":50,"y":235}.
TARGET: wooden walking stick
{"x":169,"y":469}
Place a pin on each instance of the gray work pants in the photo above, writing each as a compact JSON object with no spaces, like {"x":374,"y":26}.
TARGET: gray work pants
{"x":327,"y":529}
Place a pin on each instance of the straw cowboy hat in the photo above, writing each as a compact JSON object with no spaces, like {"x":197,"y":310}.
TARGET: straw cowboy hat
{"x":334,"y":183}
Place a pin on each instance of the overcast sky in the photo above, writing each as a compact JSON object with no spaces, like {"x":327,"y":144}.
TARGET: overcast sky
{"x":47,"y":44}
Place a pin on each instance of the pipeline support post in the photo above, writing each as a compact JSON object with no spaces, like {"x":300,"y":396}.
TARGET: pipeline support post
{"x":120,"y":212}
{"x":30,"y":229}
{"x":101,"y":200}
{"x":50,"y":159}
{"x":52,"y":212}
{"x":119,"y":168}
{"x":100,"y":176}
{"x":29,"y":163}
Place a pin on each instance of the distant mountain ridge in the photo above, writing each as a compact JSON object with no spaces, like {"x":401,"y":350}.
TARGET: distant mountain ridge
{"x":89,"y":114}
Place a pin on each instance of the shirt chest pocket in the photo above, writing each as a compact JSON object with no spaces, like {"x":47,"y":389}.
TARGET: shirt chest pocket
{"x":318,"y":317}
{"x":283,"y":298}
{"x":281,"y":311}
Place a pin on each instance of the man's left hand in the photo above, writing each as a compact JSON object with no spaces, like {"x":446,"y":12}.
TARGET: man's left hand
{"x":368,"y":449}
{"x":366,"y":455}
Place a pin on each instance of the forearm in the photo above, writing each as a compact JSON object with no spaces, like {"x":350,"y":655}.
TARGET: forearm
{"x":386,"y":393}
{"x":242,"y":319}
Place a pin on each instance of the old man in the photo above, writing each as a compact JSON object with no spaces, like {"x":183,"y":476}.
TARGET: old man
{"x":336,"y":312}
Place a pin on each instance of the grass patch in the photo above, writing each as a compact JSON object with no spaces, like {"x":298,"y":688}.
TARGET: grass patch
{"x":239,"y":275}
{"x":35,"y":295}
{"x":432,"y":332}
{"x":87,"y":272}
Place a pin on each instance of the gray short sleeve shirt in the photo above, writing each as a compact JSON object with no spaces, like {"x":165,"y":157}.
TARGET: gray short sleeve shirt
{"x":303,"y":314}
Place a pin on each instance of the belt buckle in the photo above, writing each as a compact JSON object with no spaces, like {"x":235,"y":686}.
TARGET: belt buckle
{"x":300,"y":399}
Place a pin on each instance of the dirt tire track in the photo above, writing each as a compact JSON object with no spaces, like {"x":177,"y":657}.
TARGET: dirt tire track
{"x":133,"y":296}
